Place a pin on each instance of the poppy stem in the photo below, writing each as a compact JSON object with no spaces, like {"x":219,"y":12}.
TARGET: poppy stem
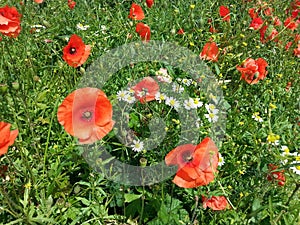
{"x":226,"y":196}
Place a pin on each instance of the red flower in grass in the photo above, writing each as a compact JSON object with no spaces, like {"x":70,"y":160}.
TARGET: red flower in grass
{"x":252,"y":13}
{"x":7,"y":137}
{"x":268,"y":33}
{"x":224,"y":13}
{"x":146,"y":90}
{"x":288,"y":45}
{"x":253,"y":70}
{"x":136,"y":12}
{"x":39,"y":1}
{"x":76,"y":52}
{"x":290,"y":23}
{"x":256,"y":23}
{"x":10,"y":21}
{"x":297,"y":51}
{"x":71,"y":4}
{"x":86,"y":113}
{"x":215,"y":202}
{"x":180,"y":31}
{"x":149,"y":3}
{"x":276,"y":21}
{"x":197,"y":165}
{"x":210,"y":51}
{"x":275,"y":175}
{"x":144,"y":31}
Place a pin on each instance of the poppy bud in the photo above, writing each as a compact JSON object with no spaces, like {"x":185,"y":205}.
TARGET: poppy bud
{"x":16,"y":85}
{"x":143,"y":162}
{"x":3,"y":88}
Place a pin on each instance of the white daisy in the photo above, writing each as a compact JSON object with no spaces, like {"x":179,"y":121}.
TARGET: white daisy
{"x":198,"y":103}
{"x":129,"y":98}
{"x":211,"y":117}
{"x":122,"y":94}
{"x":211,"y":108}
{"x":189,"y":104}
{"x":137,"y":146}
{"x":160,"y":97}
{"x":296,"y":168}
{"x":186,"y":82}
{"x":80,"y":26}
{"x":170,"y":101}
{"x":221,"y":160}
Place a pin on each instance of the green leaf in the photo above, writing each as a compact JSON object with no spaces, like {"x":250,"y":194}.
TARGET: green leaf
{"x":131,"y":197}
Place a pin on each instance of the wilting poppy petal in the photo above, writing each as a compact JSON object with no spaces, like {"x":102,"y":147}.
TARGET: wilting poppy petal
{"x":215,"y":202}
{"x":197,"y":165}
{"x":146,"y":90}
{"x":7,"y":137}
{"x":275,"y":175}
{"x":136,"y":12}
{"x":76,"y":52}
{"x":86,"y":114}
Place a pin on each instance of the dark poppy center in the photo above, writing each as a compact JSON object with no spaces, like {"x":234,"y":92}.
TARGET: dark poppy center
{"x":187,"y":156}
{"x":72,"y":50}
{"x":87,"y":115}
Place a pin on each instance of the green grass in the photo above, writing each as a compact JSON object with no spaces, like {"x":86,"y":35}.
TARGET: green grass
{"x":49,"y":181}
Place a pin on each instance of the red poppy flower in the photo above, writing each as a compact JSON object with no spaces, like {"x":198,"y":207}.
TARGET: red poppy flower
{"x":252,"y":13}
{"x":76,"y":52}
{"x":256,"y":23}
{"x":215,"y":202}
{"x":276,"y":21}
{"x":136,"y":12}
{"x":149,"y":3}
{"x":146,"y":90}
{"x":71,"y":4}
{"x":210,"y":51}
{"x":290,"y":23}
{"x":297,"y":51}
{"x":39,"y":1}
{"x":274,"y":175}
{"x":144,"y":31}
{"x":268,"y":33}
{"x":10,"y":21}
{"x":268,"y":11}
{"x":224,"y":13}
{"x":253,"y":70}
{"x":7,"y":137}
{"x":180,"y":31}
{"x":288,"y":45}
{"x":86,"y":114}
{"x":197,"y":165}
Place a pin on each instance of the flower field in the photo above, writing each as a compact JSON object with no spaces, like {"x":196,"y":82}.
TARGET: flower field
{"x":149,"y":112}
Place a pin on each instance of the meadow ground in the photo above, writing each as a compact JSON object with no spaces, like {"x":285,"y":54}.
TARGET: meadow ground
{"x":180,"y":112}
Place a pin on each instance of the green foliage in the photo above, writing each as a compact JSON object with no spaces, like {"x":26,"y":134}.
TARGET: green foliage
{"x":49,"y":182}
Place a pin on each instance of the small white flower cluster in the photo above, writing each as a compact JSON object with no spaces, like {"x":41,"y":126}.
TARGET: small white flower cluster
{"x":212,"y":113}
{"x":294,"y":158}
{"x":80,"y":26}
{"x":256,"y":117}
{"x":126,"y":95}
{"x":163,"y":76}
{"x":187,"y":82}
